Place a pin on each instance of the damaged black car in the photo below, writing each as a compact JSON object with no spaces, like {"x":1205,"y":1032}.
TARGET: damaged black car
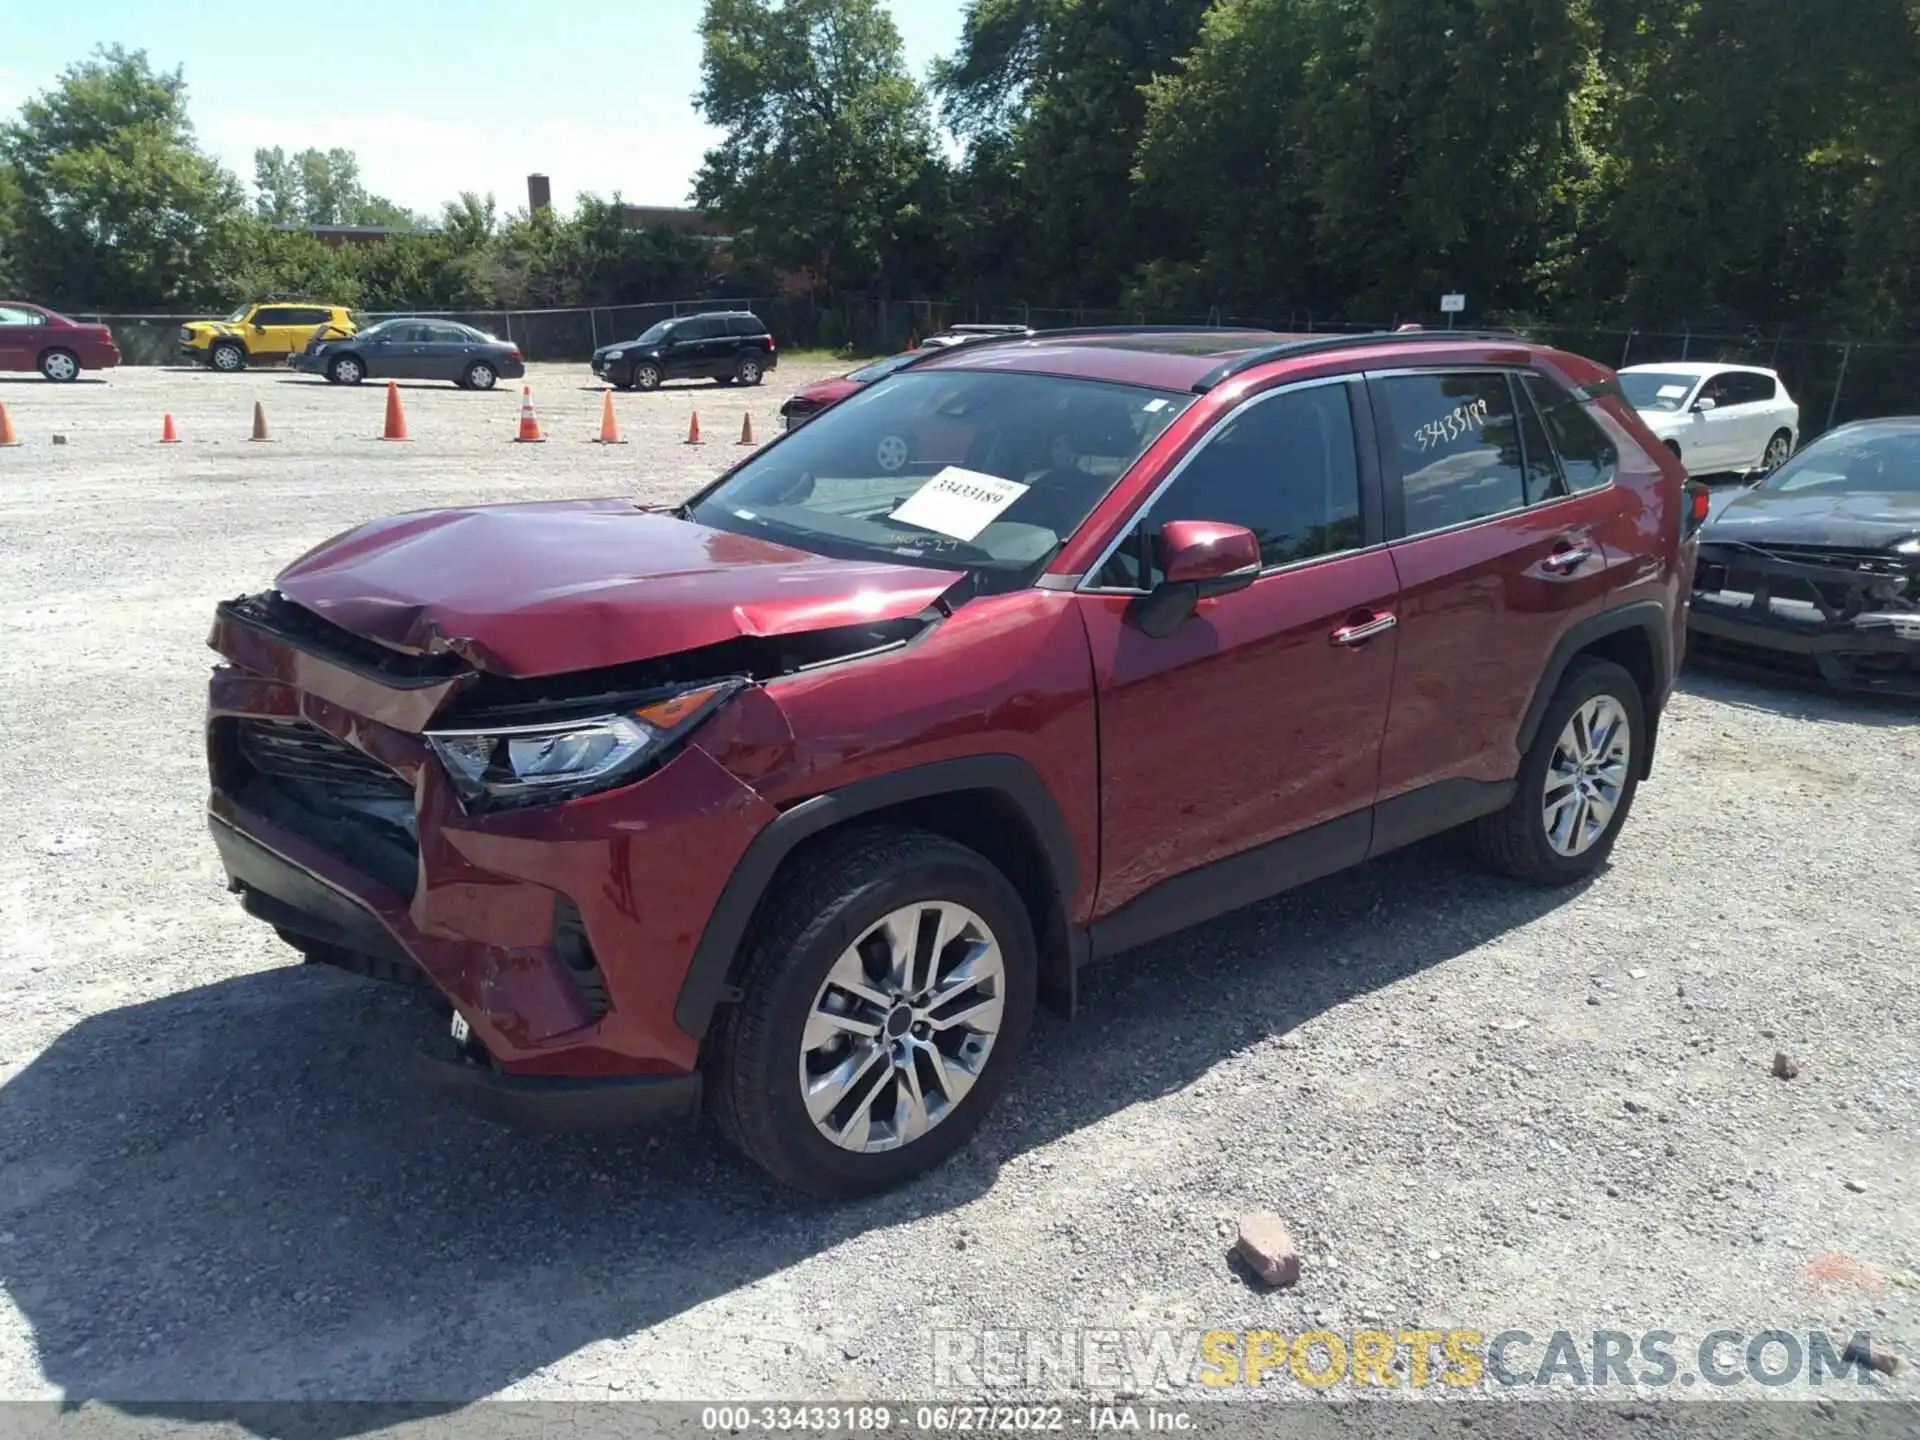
{"x":1814,"y":571}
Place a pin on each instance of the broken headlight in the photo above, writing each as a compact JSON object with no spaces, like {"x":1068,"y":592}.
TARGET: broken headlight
{"x":532,"y":764}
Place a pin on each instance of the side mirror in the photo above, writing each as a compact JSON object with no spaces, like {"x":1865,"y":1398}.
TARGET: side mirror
{"x":1704,"y":404}
{"x":1199,"y":559}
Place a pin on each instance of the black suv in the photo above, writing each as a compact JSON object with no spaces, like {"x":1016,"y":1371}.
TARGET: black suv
{"x":723,"y":345}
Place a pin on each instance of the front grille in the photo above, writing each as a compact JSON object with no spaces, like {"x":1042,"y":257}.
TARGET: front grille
{"x":1869,"y":562}
{"x":295,"y":750}
{"x":324,"y":791}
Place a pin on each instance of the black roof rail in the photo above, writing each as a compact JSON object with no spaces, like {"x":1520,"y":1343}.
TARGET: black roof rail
{"x":1082,"y":332}
{"x":1319,"y":344}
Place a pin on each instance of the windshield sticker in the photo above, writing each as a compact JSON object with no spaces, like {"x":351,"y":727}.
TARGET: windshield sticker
{"x":1672,"y":392}
{"x":958,"y":503}
{"x":1154,"y":407}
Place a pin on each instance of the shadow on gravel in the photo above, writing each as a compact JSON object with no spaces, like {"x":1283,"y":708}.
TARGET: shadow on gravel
{"x":231,"y":1194}
{"x":1793,"y":698}
{"x":50,"y":384}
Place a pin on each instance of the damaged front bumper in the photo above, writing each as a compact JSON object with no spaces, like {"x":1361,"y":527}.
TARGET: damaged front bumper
{"x":1848,"y":619}
{"x":561,"y":934}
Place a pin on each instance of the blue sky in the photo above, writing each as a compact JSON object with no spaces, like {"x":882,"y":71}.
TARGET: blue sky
{"x":436,"y":96}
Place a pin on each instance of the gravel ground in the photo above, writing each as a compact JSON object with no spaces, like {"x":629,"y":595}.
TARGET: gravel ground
{"x":1476,"y":1105}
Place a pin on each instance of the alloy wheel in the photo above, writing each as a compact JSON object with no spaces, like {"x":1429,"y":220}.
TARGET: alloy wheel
{"x":1777,"y":454}
{"x":749,"y":372}
{"x":229,"y":358}
{"x":481,"y":377}
{"x":902,"y":1026}
{"x":60,"y":366}
{"x":1586,"y":776}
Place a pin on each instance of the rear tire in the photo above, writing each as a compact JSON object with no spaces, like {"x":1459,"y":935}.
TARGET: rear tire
{"x":60,"y":366}
{"x":749,"y":370}
{"x":833,"y":899}
{"x":1519,"y":840}
{"x":229,"y":357}
{"x":479,"y":376}
{"x":1779,"y":450}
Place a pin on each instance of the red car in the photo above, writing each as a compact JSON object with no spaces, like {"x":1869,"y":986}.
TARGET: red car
{"x":809,"y":400}
{"x":35,"y":338}
{"x":789,"y":802}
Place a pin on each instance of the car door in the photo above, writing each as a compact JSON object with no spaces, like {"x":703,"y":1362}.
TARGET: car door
{"x":1496,"y":556}
{"x":1751,"y":399}
{"x":18,"y":350}
{"x":1715,"y":438}
{"x":681,"y":355}
{"x":301,"y":324}
{"x":404,"y":355}
{"x":1242,"y":750}
{"x":446,"y":351}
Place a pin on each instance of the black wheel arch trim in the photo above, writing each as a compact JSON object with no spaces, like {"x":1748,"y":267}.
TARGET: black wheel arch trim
{"x":1647,"y":616}
{"x":708,"y":978}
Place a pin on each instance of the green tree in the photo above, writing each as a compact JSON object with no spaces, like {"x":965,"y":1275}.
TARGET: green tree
{"x":111,"y":203}
{"x":320,"y":187}
{"x":1050,"y":93}
{"x":826,"y":134}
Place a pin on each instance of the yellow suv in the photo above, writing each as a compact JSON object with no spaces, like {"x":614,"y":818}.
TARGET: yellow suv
{"x":262,"y":330}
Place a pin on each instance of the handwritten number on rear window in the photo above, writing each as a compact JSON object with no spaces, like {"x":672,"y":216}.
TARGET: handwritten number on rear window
{"x":1452,"y":425}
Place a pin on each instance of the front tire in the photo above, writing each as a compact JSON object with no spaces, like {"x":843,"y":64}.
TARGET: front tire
{"x":647,"y":376}
{"x":888,"y":992}
{"x":229,"y":357}
{"x":346,"y":370}
{"x":1576,"y":784}
{"x":60,"y":366}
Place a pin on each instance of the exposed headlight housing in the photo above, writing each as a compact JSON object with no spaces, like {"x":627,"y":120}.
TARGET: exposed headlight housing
{"x":499,"y":766}
{"x":1908,"y":547}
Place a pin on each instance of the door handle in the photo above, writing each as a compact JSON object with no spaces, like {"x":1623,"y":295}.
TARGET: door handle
{"x":1568,"y":559}
{"x":1364,"y":631}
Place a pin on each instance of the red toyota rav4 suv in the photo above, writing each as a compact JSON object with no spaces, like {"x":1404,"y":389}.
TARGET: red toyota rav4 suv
{"x":790,"y":801}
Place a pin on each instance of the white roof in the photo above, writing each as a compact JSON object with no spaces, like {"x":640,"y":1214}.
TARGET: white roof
{"x":1699,"y":369}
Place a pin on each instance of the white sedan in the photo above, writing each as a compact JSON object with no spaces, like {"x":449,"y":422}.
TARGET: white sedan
{"x":1718,"y":419}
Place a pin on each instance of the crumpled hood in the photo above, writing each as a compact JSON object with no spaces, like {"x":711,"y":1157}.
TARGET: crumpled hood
{"x":1857,"y":520}
{"x":554,"y":587}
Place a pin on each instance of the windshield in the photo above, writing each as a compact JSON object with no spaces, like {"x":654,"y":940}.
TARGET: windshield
{"x":990,"y":470}
{"x":654,"y":334}
{"x":1657,"y":389}
{"x":1883,"y":458}
{"x":880,"y":369}
{"x":237,"y":316}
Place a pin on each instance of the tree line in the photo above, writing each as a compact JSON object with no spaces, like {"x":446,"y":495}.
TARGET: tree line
{"x":1722,"y":162}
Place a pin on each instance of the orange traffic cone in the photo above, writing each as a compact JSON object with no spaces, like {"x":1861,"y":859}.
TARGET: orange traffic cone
{"x":396,"y":417}
{"x":746,"y":428}
{"x":693,"y":430}
{"x":259,"y":422}
{"x":169,"y":435}
{"x":609,"y":427}
{"x":529,"y":422}
{"x":7,"y":433}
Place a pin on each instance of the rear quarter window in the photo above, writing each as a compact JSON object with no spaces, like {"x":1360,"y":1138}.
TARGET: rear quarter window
{"x":1587,"y":457}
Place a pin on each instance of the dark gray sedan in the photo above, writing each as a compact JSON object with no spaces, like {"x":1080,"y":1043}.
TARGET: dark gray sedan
{"x":414,"y":350}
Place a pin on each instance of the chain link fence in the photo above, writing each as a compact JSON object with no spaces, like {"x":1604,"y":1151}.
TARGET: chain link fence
{"x":1835,"y":378}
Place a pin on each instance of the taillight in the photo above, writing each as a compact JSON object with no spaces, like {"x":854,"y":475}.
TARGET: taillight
{"x":514,"y":353}
{"x":771,"y":347}
{"x":1699,"y":503}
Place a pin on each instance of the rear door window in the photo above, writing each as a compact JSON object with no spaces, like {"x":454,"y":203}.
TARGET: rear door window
{"x":1457,"y":440}
{"x":273,"y":315}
